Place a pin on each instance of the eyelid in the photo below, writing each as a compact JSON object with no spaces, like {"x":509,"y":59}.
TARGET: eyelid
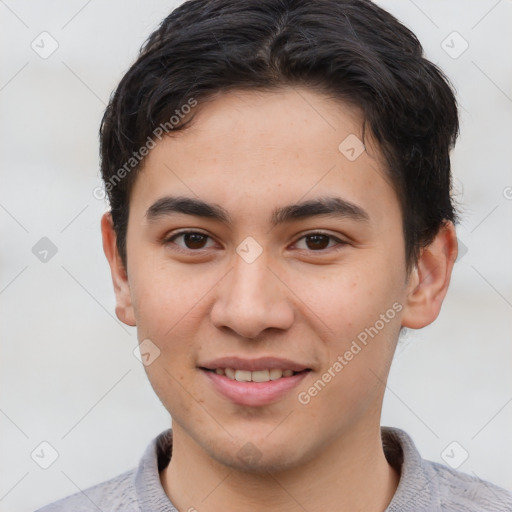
{"x":169,"y":239}
{"x":340,"y":242}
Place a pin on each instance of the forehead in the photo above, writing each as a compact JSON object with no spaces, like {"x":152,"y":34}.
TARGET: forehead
{"x":247,"y":149}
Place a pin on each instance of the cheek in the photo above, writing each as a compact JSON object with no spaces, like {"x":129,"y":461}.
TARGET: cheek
{"x":349,"y":298}
{"x":169,"y":302}
{"x":361,"y":308}
{"x":159,"y":294}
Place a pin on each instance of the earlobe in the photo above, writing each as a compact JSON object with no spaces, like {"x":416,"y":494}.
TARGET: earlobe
{"x":429,"y":280}
{"x":124,"y":307}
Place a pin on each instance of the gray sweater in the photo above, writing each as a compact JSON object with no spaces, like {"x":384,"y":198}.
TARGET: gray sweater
{"x":424,"y":485}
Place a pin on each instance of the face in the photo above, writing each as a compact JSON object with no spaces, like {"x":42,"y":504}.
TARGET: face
{"x":295,"y":262}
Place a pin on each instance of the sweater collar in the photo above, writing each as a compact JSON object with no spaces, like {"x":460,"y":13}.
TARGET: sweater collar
{"x":416,"y":490}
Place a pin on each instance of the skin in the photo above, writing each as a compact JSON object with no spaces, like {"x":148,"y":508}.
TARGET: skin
{"x":252,"y":152}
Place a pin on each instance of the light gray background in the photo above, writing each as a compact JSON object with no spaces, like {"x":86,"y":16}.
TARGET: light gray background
{"x":68,"y":374}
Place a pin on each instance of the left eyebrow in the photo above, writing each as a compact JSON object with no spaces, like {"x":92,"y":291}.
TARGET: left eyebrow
{"x":328,"y":206}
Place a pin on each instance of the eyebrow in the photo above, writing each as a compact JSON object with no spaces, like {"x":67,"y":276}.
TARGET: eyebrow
{"x":327,"y":206}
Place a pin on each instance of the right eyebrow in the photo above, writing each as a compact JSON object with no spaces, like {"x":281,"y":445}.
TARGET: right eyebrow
{"x":188,"y":206}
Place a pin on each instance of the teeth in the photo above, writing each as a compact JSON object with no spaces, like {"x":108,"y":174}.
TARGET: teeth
{"x":243,"y":376}
{"x":257,"y":376}
{"x":260,"y":376}
{"x":276,"y":373}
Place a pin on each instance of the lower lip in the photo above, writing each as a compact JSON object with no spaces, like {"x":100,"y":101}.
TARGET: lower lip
{"x":254,"y":393}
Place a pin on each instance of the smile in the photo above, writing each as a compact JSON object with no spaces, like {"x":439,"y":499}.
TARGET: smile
{"x":255,"y":376}
{"x":253,"y":388}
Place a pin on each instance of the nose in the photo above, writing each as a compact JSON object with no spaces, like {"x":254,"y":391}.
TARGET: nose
{"x":252,"y":298}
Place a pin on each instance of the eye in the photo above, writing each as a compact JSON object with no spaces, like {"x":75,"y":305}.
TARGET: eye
{"x":319,"y":241}
{"x":192,"y":240}
{"x":196,"y":241}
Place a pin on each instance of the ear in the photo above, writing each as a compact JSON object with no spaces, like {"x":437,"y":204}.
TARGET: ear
{"x":429,"y":280}
{"x":124,"y":308}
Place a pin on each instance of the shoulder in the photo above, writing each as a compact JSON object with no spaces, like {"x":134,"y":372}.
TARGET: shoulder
{"x":429,"y":486}
{"x":459,"y":491}
{"x":132,"y":491}
{"x":116,"y":494}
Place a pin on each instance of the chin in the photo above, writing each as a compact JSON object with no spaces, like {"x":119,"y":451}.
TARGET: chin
{"x":251,"y":460}
{"x":257,"y":454}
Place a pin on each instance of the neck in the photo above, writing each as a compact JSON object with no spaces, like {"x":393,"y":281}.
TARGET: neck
{"x":351,"y":474}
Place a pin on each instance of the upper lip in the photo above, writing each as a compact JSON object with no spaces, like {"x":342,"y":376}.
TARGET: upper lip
{"x":261,"y":363}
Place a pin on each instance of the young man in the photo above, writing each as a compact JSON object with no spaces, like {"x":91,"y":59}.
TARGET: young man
{"x":279,"y":179}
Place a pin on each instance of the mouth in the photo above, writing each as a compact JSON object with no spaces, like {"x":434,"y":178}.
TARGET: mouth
{"x":253,"y":383}
{"x":267,"y":375}
{"x":256,"y":388}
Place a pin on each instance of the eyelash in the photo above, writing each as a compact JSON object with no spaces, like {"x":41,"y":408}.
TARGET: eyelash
{"x":171,"y":239}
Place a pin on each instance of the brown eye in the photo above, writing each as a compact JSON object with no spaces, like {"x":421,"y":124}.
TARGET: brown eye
{"x":319,"y":242}
{"x":192,"y":240}
{"x":316,"y":242}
